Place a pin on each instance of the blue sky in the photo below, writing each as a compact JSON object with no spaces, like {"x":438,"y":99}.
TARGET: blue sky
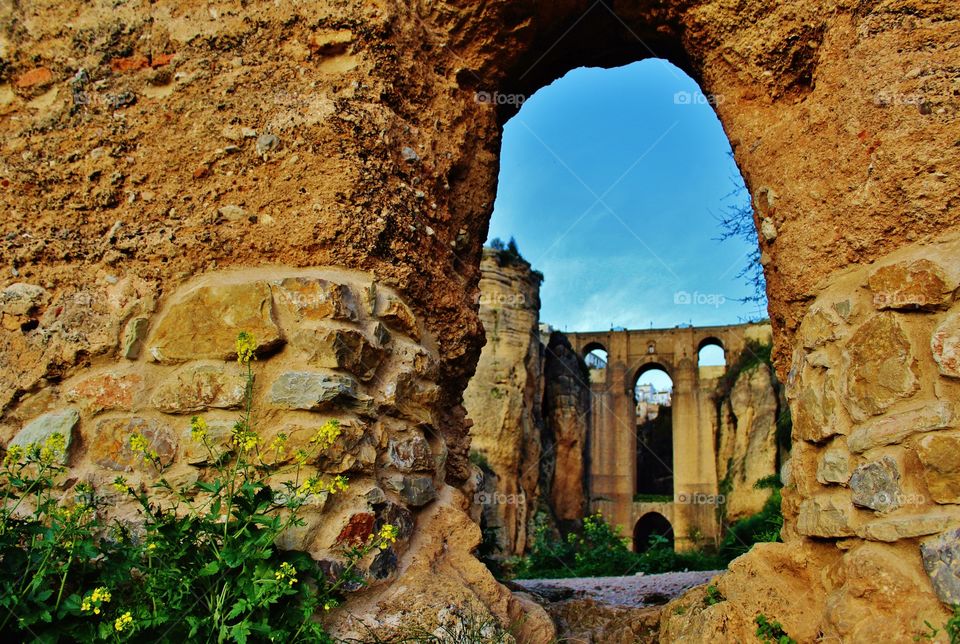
{"x":611,"y":184}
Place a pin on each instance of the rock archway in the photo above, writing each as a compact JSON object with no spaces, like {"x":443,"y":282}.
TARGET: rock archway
{"x":145,"y":144}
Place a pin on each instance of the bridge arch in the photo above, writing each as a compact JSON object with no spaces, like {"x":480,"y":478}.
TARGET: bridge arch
{"x":711,"y":352}
{"x":596,"y":355}
{"x":649,"y":525}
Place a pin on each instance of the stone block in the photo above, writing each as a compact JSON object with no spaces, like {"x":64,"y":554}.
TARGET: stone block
{"x":201,"y":385}
{"x":890,"y":529}
{"x":945,"y":345}
{"x":918,"y":284}
{"x":825,"y":517}
{"x":940,"y":454}
{"x":340,"y":349}
{"x":205,"y":323}
{"x":219,"y":439}
{"x":111,"y":391}
{"x":310,"y":298}
{"x":418,"y":490}
{"x":941,"y":560}
{"x":895,"y":428}
{"x":880,"y":367}
{"x":109,"y":443}
{"x":411,"y":454}
{"x":357,"y":530}
{"x":311,"y":390}
{"x":876,"y":485}
{"x":41,"y":428}
{"x":398,"y":315}
{"x":834,"y":466}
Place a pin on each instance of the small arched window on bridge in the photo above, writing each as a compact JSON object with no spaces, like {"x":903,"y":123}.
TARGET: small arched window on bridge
{"x":595,"y":356}
{"x":711,"y":358}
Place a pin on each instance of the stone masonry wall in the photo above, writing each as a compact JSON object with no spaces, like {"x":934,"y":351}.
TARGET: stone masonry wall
{"x":331,"y":344}
{"x":872,"y":502}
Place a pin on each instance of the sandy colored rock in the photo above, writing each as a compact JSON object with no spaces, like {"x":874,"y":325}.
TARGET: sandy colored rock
{"x":111,"y":391}
{"x":317,"y":298}
{"x":828,"y":516}
{"x":895,"y":428}
{"x":940,"y":454}
{"x":441,"y":584}
{"x":945,"y":345}
{"x":876,"y":485}
{"x":504,"y":399}
{"x":753,"y":454}
{"x":880,"y":366}
{"x":201,"y":385}
{"x":205,"y":323}
{"x":910,"y":285}
{"x":109,"y":443}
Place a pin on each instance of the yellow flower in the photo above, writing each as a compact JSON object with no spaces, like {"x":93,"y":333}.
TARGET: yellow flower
{"x":387,"y":535}
{"x":326,"y":434}
{"x":14,"y":455}
{"x":243,"y":438}
{"x":92,"y":602}
{"x":286,"y":573}
{"x":123,"y":622}
{"x":139,"y":444}
{"x":54,"y":447}
{"x":119,"y":484}
{"x":301,"y":457}
{"x":151,"y":547}
{"x":278,"y":443}
{"x":330,"y":603}
{"x":198,"y":429}
{"x":314,"y":485}
{"x":246,"y":345}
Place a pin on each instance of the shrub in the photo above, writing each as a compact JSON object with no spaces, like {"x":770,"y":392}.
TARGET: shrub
{"x":771,"y":632}
{"x":202,"y":567}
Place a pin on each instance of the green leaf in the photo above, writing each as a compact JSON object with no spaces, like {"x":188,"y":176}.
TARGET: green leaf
{"x":211,"y":568}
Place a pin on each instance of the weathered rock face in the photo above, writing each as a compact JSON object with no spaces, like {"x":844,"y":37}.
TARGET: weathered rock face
{"x":747,"y":441}
{"x":350,"y":134}
{"x":566,"y":411}
{"x":503,"y":398}
{"x":530,"y":408}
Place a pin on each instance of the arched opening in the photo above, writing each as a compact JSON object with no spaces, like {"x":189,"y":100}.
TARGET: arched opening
{"x":653,"y":394}
{"x":711,"y":358}
{"x":652,"y":528}
{"x":596,"y":356}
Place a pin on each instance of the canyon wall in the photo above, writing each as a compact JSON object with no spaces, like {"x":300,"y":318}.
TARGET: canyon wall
{"x":530,"y":411}
{"x":149,"y":144}
{"x":747,"y":449}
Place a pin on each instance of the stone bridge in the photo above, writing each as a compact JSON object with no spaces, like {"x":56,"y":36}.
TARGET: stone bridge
{"x":612,"y":474}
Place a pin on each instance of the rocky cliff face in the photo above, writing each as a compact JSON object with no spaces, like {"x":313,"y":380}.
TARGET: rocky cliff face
{"x":747,"y":448}
{"x":530,"y":411}
{"x":504,"y":398}
{"x":566,"y":411}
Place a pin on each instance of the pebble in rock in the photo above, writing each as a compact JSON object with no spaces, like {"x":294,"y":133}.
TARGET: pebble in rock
{"x":266,"y":142}
{"x":409,"y":154}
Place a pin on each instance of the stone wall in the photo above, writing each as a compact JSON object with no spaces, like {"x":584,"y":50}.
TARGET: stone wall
{"x":331,"y":344}
{"x":872,"y":505}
